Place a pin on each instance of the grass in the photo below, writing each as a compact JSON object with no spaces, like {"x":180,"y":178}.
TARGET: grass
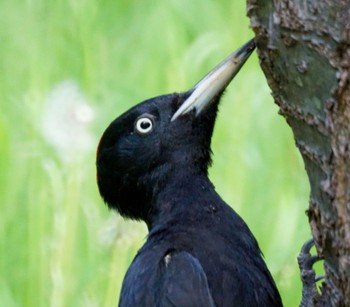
{"x":70,"y":67}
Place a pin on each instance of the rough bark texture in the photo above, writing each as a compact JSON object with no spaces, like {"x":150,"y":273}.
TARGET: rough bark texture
{"x":304,"y":50}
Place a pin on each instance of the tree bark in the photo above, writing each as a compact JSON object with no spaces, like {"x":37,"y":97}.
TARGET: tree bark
{"x":304,"y":51}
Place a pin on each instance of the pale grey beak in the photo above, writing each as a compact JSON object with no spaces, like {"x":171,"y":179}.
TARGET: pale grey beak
{"x":215,"y":81}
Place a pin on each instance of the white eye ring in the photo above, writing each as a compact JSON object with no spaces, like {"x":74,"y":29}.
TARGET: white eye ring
{"x":144,"y":125}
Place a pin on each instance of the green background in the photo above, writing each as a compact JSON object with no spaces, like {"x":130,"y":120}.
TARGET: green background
{"x":67,"y":69}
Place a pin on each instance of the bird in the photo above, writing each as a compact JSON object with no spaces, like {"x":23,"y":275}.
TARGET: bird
{"x":152,"y":166}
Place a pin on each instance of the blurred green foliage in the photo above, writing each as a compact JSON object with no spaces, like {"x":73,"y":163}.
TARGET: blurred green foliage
{"x":60,"y":246}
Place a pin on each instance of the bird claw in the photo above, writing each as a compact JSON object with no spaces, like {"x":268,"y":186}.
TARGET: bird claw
{"x":306,"y":260}
{"x":320,"y":277}
{"x":307,"y":273}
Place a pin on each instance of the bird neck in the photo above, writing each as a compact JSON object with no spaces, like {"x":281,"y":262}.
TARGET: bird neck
{"x":182,"y":194}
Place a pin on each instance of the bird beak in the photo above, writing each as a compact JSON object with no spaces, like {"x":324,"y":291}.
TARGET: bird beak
{"x":215,"y":81}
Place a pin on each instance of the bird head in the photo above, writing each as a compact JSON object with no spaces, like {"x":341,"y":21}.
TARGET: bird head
{"x":161,"y":136}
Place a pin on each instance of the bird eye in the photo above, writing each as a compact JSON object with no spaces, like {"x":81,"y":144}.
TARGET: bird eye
{"x":144,"y":124}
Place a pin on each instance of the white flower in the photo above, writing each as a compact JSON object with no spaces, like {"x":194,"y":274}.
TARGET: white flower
{"x":65,"y":121}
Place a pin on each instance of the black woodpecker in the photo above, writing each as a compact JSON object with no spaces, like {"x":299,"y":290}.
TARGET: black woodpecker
{"x":152,"y":165}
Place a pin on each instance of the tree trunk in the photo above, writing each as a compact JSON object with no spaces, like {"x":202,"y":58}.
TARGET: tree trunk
{"x":304,"y":50}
